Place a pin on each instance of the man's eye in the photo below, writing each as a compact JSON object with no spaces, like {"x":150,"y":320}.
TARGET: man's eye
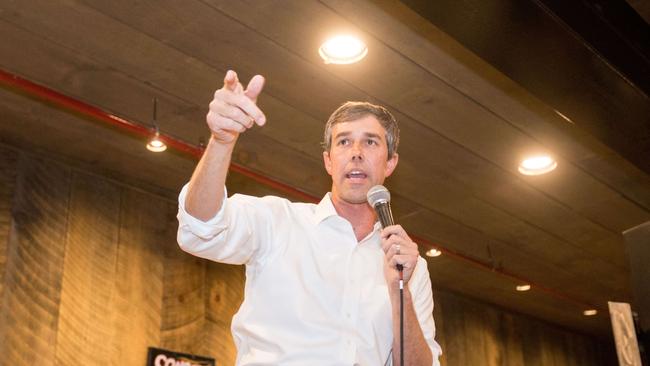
{"x":343,"y":142}
{"x":371,"y":142}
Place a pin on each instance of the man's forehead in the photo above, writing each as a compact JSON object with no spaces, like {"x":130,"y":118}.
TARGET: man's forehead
{"x":367,"y":125}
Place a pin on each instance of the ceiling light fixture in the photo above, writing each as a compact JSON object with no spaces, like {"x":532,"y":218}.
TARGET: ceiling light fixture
{"x":590,"y":312}
{"x":155,"y":144}
{"x":522,"y":288}
{"x":343,"y":49}
{"x":537,"y":165}
{"x":433,"y":253}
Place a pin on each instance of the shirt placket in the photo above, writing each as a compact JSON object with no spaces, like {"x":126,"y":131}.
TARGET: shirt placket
{"x":350,"y":305}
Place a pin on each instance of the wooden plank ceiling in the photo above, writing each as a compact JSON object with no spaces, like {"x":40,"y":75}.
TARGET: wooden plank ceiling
{"x":465,"y":126}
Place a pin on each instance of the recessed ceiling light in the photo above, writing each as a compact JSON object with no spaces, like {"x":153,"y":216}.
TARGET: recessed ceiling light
{"x":156,"y":144}
{"x":522,"y":288}
{"x":433,"y":253}
{"x":537,"y":165}
{"x":343,"y":49}
{"x":590,"y":312}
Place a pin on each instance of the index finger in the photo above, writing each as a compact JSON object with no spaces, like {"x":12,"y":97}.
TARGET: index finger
{"x":230,"y":81}
{"x":394,"y":230}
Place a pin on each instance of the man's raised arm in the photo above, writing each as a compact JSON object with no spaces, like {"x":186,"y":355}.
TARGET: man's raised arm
{"x":233,"y":110}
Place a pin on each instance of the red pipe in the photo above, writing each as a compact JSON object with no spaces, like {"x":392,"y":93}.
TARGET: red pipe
{"x":74,"y":105}
{"x":59,"y":100}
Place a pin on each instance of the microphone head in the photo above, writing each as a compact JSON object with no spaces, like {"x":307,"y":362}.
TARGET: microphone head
{"x":378,"y":194}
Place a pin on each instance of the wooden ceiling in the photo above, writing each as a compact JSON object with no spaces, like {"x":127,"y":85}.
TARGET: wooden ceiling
{"x":465,"y":125}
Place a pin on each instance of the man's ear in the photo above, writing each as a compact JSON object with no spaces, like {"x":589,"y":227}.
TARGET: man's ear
{"x":391,"y":164}
{"x":327,"y":162}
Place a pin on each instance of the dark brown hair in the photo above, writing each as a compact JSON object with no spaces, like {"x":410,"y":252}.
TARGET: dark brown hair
{"x":352,"y":111}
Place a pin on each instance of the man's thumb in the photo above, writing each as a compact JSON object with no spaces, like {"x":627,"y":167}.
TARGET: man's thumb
{"x":254,"y":87}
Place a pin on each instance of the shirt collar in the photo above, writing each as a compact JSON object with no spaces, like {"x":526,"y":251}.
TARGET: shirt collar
{"x":325,"y":208}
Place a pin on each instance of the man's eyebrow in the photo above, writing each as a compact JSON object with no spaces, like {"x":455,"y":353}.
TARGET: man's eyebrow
{"x":342,"y":134}
{"x":366,"y":134}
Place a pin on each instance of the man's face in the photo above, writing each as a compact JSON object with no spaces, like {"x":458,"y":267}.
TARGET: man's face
{"x":358,"y":158}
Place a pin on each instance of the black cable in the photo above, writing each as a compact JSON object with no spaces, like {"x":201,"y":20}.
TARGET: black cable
{"x":400,"y":268}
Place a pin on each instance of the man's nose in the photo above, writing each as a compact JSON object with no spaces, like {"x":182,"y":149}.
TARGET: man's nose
{"x":357,"y":152}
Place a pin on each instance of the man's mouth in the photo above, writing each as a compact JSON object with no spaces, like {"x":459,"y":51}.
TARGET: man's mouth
{"x":356,"y":174}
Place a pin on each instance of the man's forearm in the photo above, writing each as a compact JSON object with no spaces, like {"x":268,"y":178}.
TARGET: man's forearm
{"x":416,"y":349}
{"x":205,"y":192}
{"x":231,"y":112}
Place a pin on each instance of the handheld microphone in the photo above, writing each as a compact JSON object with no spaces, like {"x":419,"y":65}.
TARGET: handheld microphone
{"x":379,"y":199}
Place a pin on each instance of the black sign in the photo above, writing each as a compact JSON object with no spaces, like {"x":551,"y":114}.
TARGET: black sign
{"x":161,"y":357}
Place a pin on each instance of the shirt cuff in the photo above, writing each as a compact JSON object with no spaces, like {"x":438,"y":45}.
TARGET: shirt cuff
{"x":203,"y":229}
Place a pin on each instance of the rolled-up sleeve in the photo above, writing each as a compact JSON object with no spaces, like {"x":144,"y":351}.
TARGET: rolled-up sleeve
{"x":224,"y":238}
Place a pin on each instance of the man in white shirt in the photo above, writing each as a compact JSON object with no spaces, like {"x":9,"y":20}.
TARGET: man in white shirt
{"x":322,"y":285}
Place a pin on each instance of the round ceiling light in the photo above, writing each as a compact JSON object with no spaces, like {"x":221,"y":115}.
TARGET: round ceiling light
{"x":537,"y":165}
{"x":433,"y":253}
{"x":156,"y":144}
{"x":343,"y":50}
{"x":590,"y":312}
{"x":522,"y":288}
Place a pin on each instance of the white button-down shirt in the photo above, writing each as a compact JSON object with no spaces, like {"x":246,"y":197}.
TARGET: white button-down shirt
{"x":313,"y":294}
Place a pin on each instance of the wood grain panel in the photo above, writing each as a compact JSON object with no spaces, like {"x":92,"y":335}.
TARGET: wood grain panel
{"x":224,"y":294}
{"x":85,"y":326}
{"x":475,"y":333}
{"x":511,"y":335}
{"x":8,"y":162}
{"x":500,"y":291}
{"x":451,"y":331}
{"x":135,"y":308}
{"x":183,"y":306}
{"x":30,"y":303}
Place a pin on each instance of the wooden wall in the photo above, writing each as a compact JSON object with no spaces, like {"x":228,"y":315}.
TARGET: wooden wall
{"x":474,"y":333}
{"x":90,"y":274}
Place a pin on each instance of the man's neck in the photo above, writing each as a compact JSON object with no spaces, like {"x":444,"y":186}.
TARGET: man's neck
{"x":360,"y":215}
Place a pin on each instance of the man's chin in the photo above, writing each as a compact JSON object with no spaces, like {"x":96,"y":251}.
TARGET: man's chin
{"x":355,"y":198}
{"x":355,"y":193}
